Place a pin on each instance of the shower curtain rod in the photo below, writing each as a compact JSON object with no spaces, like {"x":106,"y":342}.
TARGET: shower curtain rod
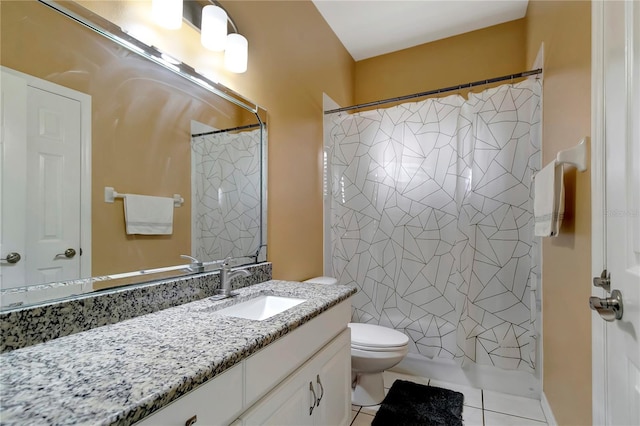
{"x":434,"y":92}
{"x":248,"y":126}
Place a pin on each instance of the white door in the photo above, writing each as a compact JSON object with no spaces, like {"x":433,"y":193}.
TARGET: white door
{"x":43,"y":179}
{"x":616,"y":386}
{"x":13,"y":179}
{"x":53,"y":187}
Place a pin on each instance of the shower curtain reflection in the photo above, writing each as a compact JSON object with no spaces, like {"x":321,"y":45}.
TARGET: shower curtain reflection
{"x":430,"y":217}
{"x":226,"y":188}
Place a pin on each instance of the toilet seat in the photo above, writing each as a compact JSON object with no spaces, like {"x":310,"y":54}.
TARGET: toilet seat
{"x":374,"y":349}
{"x":375,"y":338}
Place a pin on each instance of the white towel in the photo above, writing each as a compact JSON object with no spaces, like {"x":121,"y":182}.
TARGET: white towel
{"x":148,"y":215}
{"x":548,"y":200}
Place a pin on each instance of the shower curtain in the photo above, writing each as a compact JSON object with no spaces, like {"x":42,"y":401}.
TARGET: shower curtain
{"x":226,"y":188}
{"x":430,"y":216}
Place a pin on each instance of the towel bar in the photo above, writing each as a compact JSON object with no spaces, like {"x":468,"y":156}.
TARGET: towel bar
{"x":111,"y":194}
{"x":576,"y":156}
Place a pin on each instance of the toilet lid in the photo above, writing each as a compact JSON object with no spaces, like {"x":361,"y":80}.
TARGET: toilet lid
{"x":322,"y":280}
{"x":375,"y":336}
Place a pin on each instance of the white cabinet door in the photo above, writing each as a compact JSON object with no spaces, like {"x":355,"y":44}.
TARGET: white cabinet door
{"x":332,"y":387}
{"x":217,"y":402}
{"x":291,"y":403}
{"x":325,"y":376}
{"x":295,"y":410}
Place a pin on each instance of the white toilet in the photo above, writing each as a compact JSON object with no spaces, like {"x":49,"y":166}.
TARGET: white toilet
{"x":374,"y":349}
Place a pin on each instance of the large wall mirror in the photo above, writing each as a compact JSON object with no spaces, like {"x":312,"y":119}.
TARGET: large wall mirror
{"x":90,"y":115}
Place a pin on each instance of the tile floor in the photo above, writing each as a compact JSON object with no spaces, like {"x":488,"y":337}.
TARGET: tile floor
{"x":481,"y":407}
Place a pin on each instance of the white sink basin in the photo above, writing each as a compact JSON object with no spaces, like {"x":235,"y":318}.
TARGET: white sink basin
{"x":261,"y":307}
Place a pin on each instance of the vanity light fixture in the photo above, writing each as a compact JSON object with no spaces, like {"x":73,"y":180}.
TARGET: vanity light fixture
{"x":214,"y":36}
{"x":167,"y":13}
{"x":213,"y":22}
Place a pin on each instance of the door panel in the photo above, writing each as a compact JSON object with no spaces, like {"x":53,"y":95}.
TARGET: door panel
{"x":621,"y":37}
{"x":53,"y":198}
{"x":40,"y":207}
{"x":13,"y":139}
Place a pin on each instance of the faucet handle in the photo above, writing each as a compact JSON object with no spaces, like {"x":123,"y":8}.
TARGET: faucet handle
{"x":226,"y":263}
{"x":195,"y":266}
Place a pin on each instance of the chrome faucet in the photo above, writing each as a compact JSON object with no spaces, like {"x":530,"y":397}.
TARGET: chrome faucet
{"x":196,"y":266}
{"x":226,"y":275}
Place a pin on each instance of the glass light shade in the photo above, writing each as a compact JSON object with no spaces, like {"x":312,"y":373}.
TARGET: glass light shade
{"x":167,"y":13}
{"x":236,"y":53}
{"x":213,"y":28}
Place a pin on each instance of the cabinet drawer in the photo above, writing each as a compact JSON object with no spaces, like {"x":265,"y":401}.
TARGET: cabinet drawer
{"x":271,"y":365}
{"x":217,"y":402}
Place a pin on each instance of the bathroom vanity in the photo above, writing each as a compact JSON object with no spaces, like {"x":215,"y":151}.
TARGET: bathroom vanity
{"x":191,"y":363}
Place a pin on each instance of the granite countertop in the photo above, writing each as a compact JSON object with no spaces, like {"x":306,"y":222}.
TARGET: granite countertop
{"x":120,"y":373}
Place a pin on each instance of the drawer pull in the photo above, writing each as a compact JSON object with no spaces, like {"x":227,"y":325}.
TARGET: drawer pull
{"x":321,"y":390}
{"x":191,"y":421}
{"x":313,"y":404}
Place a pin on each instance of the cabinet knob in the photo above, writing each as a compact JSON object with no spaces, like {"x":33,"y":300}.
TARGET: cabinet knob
{"x":191,"y":421}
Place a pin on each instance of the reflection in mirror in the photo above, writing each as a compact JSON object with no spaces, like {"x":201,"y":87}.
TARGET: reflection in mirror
{"x":226,"y":187}
{"x":91,"y":108}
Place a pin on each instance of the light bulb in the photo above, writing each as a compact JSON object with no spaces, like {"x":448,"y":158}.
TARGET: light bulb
{"x":167,"y":13}
{"x":213,"y":29}
{"x":236,"y":53}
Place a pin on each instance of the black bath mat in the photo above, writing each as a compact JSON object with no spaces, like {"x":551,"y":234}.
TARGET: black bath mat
{"x":409,"y":403}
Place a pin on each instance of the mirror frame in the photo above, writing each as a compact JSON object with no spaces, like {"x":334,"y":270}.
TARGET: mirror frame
{"x":113,"y":32}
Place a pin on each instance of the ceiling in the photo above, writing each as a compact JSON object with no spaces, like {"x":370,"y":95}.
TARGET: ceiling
{"x":369,"y":28}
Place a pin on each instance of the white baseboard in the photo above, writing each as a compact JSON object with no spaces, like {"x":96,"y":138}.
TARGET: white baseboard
{"x":546,"y":409}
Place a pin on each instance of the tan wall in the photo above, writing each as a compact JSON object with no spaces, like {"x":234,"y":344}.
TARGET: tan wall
{"x":477,"y":55}
{"x":293,"y":58}
{"x":140,"y":133}
{"x":565,"y":29}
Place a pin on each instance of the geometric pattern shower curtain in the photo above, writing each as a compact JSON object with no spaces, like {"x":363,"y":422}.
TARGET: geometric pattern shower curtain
{"x":430,"y":216}
{"x":226,"y":194}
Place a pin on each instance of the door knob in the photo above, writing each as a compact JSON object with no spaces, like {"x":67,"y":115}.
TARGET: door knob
{"x":609,"y":308}
{"x":68,"y":253}
{"x":12,"y":257}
